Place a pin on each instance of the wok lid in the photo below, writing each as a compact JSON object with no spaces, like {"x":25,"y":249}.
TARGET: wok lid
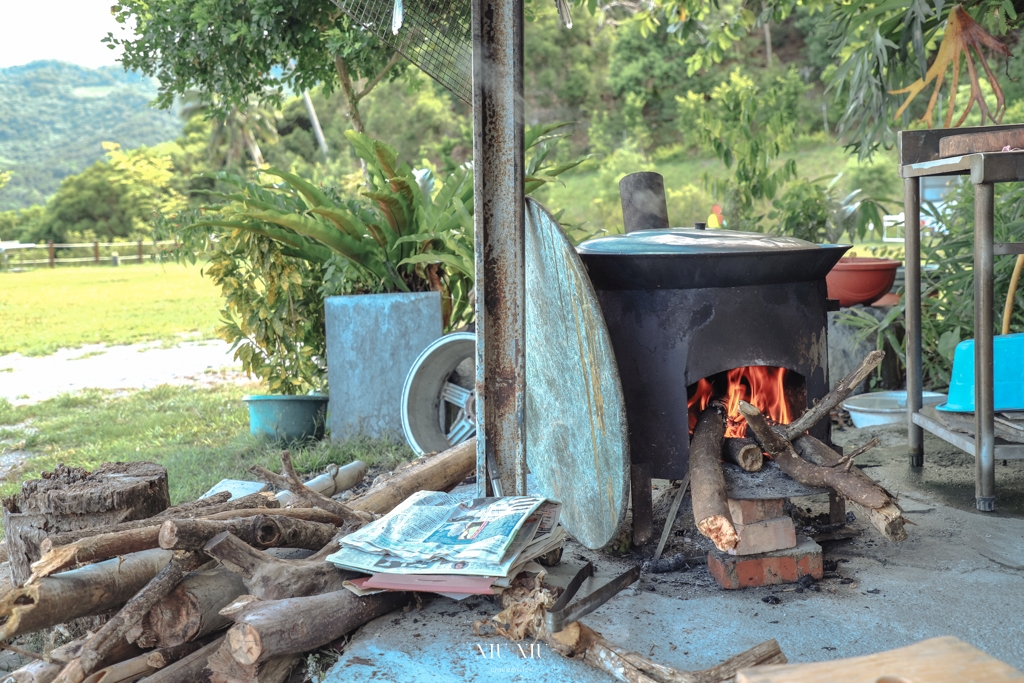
{"x":688,"y":258}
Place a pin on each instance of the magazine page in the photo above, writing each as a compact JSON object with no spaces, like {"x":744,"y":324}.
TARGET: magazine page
{"x":430,"y":526}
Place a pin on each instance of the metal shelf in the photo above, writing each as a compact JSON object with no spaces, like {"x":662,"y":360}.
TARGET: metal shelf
{"x":1004,"y":450}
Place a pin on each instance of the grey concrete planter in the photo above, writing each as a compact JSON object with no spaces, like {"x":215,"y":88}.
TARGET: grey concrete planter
{"x":372,"y":341}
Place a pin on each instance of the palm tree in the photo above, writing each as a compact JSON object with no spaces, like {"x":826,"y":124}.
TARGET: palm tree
{"x":236,"y":133}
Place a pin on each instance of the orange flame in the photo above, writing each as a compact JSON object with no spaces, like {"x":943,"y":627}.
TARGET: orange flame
{"x":759,"y":385}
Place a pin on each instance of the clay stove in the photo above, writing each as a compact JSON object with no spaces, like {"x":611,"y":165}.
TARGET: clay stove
{"x":697,"y":314}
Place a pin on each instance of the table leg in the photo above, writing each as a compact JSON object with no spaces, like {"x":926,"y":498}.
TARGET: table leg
{"x":984,"y":413}
{"x":912,"y":233}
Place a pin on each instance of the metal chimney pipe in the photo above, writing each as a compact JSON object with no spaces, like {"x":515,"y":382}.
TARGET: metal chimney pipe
{"x":643,"y":202}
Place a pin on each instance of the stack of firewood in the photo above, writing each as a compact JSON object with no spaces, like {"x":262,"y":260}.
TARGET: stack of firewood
{"x":219,"y":590}
{"x":798,"y":454}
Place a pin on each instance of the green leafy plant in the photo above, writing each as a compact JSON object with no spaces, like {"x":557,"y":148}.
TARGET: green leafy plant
{"x":814,"y":210}
{"x":279,"y":244}
{"x":748,"y":127}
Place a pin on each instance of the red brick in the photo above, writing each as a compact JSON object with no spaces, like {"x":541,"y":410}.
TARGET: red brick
{"x":750,"y":511}
{"x":766,"y":569}
{"x":765,"y":536}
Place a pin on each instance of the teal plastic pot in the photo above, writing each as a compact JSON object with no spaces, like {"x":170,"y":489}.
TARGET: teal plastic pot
{"x":1008,"y":373}
{"x":287,"y":418}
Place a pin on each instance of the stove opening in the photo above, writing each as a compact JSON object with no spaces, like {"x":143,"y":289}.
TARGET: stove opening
{"x":779,"y":393}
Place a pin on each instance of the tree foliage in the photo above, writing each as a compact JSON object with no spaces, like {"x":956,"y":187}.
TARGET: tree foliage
{"x":748,"y":127}
{"x":231,"y":52}
{"x":116,"y":198}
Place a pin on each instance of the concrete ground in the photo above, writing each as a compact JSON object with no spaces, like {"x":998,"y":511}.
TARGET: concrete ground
{"x":960,"y":573}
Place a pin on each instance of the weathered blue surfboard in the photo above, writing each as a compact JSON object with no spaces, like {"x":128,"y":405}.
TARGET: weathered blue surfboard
{"x":577,"y":444}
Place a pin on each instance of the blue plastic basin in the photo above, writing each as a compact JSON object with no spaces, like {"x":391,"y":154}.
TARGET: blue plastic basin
{"x":1008,"y":375}
{"x":287,"y":418}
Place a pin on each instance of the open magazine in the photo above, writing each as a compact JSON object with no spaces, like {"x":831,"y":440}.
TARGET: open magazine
{"x":436,"y":533}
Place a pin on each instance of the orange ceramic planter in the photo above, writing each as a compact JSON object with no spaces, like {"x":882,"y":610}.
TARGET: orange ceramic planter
{"x":860,"y":280}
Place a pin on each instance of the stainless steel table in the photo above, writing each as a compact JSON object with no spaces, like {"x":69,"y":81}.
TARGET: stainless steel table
{"x":919,"y":157}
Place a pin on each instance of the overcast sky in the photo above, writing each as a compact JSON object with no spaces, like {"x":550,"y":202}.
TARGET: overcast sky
{"x":68,"y":30}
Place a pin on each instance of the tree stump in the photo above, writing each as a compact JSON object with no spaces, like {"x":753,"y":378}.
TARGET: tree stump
{"x":70,"y":499}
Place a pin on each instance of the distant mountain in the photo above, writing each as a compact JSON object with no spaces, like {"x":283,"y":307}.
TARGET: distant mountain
{"x":54,"y":117}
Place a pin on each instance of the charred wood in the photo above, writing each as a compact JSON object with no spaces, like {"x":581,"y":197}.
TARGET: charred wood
{"x":743,"y":452}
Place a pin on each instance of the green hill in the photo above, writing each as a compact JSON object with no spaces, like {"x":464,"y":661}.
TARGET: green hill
{"x":54,"y":117}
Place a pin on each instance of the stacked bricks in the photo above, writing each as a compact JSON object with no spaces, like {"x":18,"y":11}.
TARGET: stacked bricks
{"x":762,"y":526}
{"x":769,"y":551}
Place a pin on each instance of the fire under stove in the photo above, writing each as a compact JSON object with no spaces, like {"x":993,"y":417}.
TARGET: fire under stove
{"x":696,"y":315}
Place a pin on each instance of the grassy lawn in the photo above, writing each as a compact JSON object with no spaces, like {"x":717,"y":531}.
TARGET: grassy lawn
{"x":200,"y":435}
{"x":47,"y":309}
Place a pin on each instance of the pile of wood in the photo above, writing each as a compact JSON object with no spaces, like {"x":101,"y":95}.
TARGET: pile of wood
{"x":798,"y":454}
{"x":216,"y":590}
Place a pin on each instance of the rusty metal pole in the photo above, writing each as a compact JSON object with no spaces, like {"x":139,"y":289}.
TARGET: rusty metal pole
{"x":499,"y":217}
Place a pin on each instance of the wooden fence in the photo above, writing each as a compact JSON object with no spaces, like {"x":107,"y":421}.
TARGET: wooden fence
{"x":82,"y":253}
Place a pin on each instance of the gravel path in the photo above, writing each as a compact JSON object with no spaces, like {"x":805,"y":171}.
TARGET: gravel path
{"x":26,"y":380}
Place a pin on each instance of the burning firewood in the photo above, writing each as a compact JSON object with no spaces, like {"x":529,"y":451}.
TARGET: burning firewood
{"x":844,"y":388}
{"x":743,"y":452}
{"x":707,"y":483}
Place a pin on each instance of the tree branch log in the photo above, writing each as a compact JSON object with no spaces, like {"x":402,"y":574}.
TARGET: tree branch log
{"x":268,"y":629}
{"x":887,"y":518}
{"x":743,"y":452}
{"x":270,"y":578}
{"x":104,"y":546}
{"x":862,"y":491}
{"x":83,"y":592}
{"x":291,"y":481}
{"x":97,"y":647}
{"x":192,"y":610}
{"x":707,"y":483}
{"x":186,"y":511}
{"x":190,"y":669}
{"x":262,"y":531}
{"x":440,"y":472}
{"x":822,"y":408}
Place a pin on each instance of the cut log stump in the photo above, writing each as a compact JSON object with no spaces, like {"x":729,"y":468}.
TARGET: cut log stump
{"x":70,"y":499}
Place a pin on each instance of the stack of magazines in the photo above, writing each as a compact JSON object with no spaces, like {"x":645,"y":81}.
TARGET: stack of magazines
{"x":438,"y":543}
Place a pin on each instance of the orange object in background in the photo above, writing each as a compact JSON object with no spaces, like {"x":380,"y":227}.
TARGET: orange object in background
{"x":716,"y":220}
{"x":861,"y":280}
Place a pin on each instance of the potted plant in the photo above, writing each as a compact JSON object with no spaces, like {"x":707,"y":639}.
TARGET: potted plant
{"x":388,"y":271}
